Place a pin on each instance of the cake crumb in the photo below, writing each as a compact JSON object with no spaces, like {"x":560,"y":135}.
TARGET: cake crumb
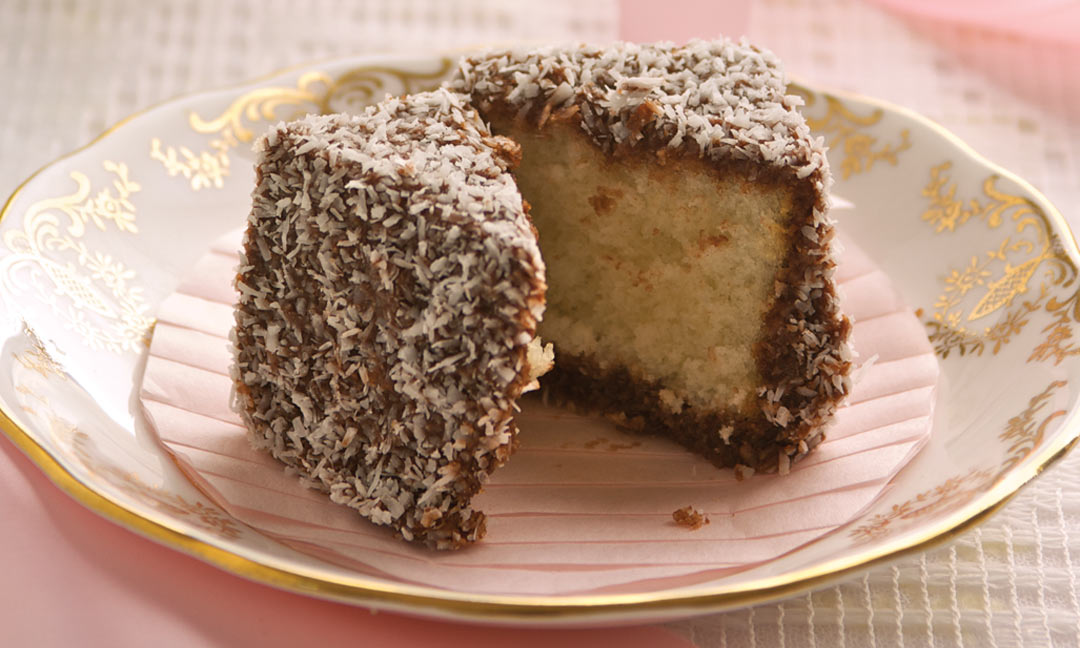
{"x":742,"y":471}
{"x":690,"y":517}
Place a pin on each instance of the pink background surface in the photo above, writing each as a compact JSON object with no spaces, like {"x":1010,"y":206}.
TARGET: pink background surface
{"x":681,"y":20}
{"x":71,"y":578}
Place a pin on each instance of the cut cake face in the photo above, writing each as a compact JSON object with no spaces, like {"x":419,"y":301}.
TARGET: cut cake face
{"x":389,"y":289}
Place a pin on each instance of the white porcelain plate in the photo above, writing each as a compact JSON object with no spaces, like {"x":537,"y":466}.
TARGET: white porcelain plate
{"x":90,"y":245}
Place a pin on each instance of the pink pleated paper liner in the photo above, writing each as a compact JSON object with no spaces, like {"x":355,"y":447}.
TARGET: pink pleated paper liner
{"x":581,"y":507}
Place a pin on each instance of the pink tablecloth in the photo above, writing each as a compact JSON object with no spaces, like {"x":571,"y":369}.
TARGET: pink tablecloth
{"x":71,"y":578}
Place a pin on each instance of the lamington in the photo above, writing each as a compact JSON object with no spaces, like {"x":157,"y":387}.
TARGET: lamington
{"x":389,"y":289}
{"x":682,"y":208}
{"x":658,"y":213}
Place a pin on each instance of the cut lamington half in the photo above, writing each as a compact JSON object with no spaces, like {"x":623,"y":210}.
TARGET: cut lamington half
{"x":390,"y":288}
{"x":681,"y":205}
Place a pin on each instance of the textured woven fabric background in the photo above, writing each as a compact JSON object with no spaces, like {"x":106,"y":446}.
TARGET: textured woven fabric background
{"x":69,"y":69}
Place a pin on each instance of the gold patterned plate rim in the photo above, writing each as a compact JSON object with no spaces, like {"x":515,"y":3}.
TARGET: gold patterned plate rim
{"x":596,"y":608}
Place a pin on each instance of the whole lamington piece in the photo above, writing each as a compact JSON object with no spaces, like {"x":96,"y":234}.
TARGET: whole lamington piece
{"x":681,"y":204}
{"x":389,"y":290}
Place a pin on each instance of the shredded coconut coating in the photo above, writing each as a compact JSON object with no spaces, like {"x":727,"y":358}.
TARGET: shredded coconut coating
{"x":725,"y":102}
{"x":389,"y":286}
